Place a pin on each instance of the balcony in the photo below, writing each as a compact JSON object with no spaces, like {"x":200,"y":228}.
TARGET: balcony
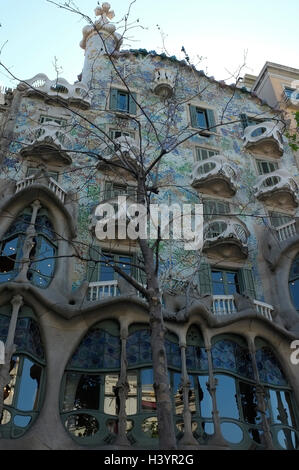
{"x":42,"y":178}
{"x":48,"y":142}
{"x":215,"y":176}
{"x":101,"y":290}
{"x":292,"y":99}
{"x":57,"y":90}
{"x":163,"y":83}
{"x":225,"y":305}
{"x":286,"y":231}
{"x":277,"y":188}
{"x":226,"y":237}
{"x":264,"y":138}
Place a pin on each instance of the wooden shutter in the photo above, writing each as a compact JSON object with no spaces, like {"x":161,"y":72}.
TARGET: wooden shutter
{"x":246,"y":281}
{"x":193,"y":116}
{"x":132,"y":103}
{"x":244,"y":120}
{"x":113,"y":99}
{"x":211,"y":120}
{"x":205,"y":278}
{"x":93,"y":266}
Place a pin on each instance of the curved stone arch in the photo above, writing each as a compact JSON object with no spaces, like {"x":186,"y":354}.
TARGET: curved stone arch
{"x":62,"y":223}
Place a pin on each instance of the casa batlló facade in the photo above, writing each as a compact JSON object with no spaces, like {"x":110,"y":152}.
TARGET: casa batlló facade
{"x":80,"y":332}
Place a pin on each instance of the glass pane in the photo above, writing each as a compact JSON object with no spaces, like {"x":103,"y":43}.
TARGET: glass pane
{"x":9,"y":389}
{"x":29,"y":386}
{"x":294,"y":290}
{"x":150,"y":427}
{"x":282,"y":410}
{"x":148,"y":394}
{"x":107,"y":271}
{"x":178,"y":397}
{"x":205,"y":400}
{"x":110,"y":401}
{"x":41,"y":272}
{"x":288,"y":439}
{"x":227,"y":397}
{"x":125,"y":264}
{"x":218,"y":283}
{"x":122,"y":101}
{"x":208,"y":428}
{"x":249,"y":403}
{"x":82,"y":425}
{"x":232,"y":432}
{"x":232,"y":282}
{"x":131,"y":402}
{"x":81,"y":391}
{"x":257,"y":435}
{"x":201,"y":118}
{"x":22,"y":421}
{"x":269,"y":368}
{"x":139,"y":348}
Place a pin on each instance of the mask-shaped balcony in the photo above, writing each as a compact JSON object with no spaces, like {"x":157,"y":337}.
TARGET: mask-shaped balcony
{"x":57,"y":90}
{"x":277,"y":188}
{"x":226,"y":237}
{"x":215,"y":176}
{"x":292,"y":99}
{"x":123,"y":150}
{"x":264,"y":138}
{"x":42,"y":178}
{"x":49,"y":142}
{"x":163,"y":83}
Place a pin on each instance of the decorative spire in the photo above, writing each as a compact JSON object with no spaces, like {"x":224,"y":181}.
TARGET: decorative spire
{"x":105,"y":12}
{"x":103,"y":25}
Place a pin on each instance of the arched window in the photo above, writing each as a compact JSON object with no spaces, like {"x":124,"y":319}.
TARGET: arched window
{"x":42,"y":263}
{"x":241,"y":422}
{"x":200,"y":403}
{"x":294,"y":282}
{"x":23,"y":392}
{"x":279,"y":399}
{"x":141,"y":405}
{"x":89,"y":406}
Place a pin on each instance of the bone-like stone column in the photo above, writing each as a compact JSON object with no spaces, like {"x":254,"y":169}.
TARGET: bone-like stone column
{"x":188,"y":440}
{"x":121,"y":391}
{"x":260,"y":394}
{"x":16,"y":302}
{"x":28,"y":243}
{"x":217,"y":438}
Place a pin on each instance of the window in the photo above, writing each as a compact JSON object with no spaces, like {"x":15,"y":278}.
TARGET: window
{"x":218,"y":281}
{"x":115,"y":134}
{"x":122,"y":101}
{"x":56,"y":120}
{"x":32,"y":171}
{"x":294,"y":282}
{"x":22,"y":394}
{"x":214,"y":207}
{"x":250,"y":121}
{"x":288,"y":91}
{"x":42,"y":263}
{"x":204,"y":153}
{"x":202,"y":118}
{"x":265,"y":166}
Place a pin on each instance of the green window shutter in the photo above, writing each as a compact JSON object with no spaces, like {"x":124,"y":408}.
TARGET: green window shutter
{"x":246,"y":281}
{"x":93,"y":268}
{"x":113,"y":99}
{"x":244,"y":120}
{"x":193,"y":116}
{"x":205,"y":278}
{"x":132,"y":103}
{"x":211,"y":120}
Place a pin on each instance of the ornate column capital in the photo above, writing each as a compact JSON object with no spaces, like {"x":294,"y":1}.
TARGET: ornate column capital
{"x":17,"y":301}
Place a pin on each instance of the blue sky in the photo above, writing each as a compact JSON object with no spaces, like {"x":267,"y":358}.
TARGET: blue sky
{"x":218,"y":30}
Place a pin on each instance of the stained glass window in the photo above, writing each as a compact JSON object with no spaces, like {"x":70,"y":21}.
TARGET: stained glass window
{"x":269,"y":368}
{"x":139,"y":348}
{"x":231,"y":356}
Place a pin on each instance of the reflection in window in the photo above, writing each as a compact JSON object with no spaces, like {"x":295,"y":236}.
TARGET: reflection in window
{"x":131,"y":402}
{"x":22,"y":392}
{"x":81,"y":392}
{"x":110,"y":398}
{"x":226,"y":397}
{"x":232,"y":432}
{"x":294,"y":282}
{"x":150,"y":427}
{"x":148,"y":393}
{"x":82,"y":425}
{"x":42,"y":255}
